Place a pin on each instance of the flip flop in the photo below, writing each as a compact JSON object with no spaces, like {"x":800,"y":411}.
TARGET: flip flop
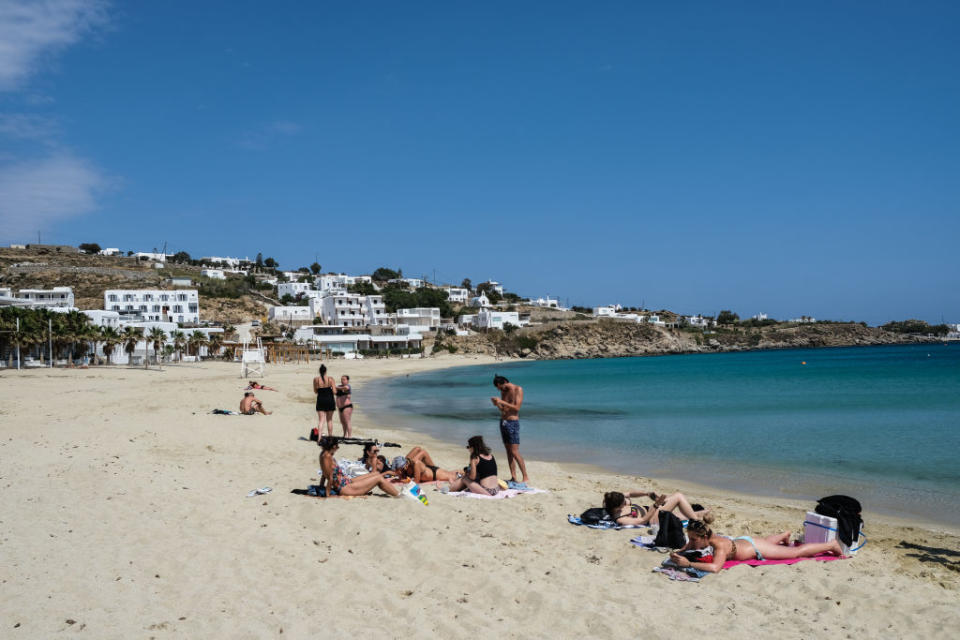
{"x":259,"y":492}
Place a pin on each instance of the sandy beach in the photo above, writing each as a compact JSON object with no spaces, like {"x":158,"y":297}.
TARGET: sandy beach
{"x":125,"y":515}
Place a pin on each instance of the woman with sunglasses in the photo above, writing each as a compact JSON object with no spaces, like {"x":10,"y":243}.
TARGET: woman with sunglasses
{"x":776,"y":547}
{"x":481,"y":474}
{"x":622,"y":510}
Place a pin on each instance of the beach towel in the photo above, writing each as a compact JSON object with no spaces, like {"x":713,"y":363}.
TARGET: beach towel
{"x":502,"y":495}
{"x":224,"y":412}
{"x":761,"y":563}
{"x":603,"y":524}
{"x":670,"y":569}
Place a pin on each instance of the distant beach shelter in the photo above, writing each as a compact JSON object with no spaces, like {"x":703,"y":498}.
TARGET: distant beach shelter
{"x":253,"y":361}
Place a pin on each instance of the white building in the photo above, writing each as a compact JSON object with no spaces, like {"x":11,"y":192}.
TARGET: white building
{"x":154,"y":257}
{"x":419,"y":317}
{"x":290,"y":315}
{"x":375,"y":310}
{"x":335,"y":339}
{"x":699,"y":321}
{"x":216,"y":274}
{"x":338,"y":281}
{"x":158,"y":305}
{"x":292,"y":289}
{"x":492,"y":284}
{"x":109,"y":252}
{"x":760,"y":316}
{"x":340,"y":309}
{"x":804,"y":320}
{"x":294,"y":276}
{"x":413,"y":283}
{"x":58,"y":297}
{"x":491,"y":319}
{"x":457,"y":294}
{"x":102,"y":318}
{"x":606,"y":312}
{"x":546,"y":303}
{"x":481,"y":301}
{"x":232,"y":263}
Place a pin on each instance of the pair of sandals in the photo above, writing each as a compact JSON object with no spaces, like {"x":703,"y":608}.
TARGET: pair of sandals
{"x":520,"y":486}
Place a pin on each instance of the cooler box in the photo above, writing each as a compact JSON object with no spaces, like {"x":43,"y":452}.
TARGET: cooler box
{"x":818,"y":528}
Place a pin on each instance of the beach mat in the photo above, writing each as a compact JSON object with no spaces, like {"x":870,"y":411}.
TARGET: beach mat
{"x":763,"y":563}
{"x":603,"y":524}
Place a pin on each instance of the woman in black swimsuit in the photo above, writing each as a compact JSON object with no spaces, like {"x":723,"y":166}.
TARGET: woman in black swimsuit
{"x":421,"y":468}
{"x":624,"y":512}
{"x":345,"y":405}
{"x":481,"y":476}
{"x":323,"y":386}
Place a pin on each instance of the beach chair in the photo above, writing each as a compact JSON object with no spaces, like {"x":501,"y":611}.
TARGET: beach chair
{"x":253,"y":362}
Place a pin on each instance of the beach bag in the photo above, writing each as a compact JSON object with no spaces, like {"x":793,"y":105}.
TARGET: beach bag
{"x":594,"y":515}
{"x":671,"y":532}
{"x":846,"y":511}
{"x":314,"y":434}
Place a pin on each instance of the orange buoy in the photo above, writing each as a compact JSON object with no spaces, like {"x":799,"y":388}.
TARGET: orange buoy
{"x":803,"y":362}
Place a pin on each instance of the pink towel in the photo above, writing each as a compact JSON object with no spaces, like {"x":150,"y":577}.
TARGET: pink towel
{"x":760,"y":563}
{"x":501,"y":495}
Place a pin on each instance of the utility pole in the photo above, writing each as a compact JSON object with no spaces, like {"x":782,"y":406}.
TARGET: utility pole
{"x":18,"y":344}
{"x":50,"y":337}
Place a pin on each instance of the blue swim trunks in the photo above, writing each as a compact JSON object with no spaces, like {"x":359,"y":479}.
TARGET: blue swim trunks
{"x":510,"y":431}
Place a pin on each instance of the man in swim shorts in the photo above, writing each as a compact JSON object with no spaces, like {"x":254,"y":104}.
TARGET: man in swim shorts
{"x":509,"y":402}
{"x":250,"y":405}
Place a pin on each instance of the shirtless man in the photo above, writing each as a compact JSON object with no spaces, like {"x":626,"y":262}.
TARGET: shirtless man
{"x":250,"y":405}
{"x":509,"y":402}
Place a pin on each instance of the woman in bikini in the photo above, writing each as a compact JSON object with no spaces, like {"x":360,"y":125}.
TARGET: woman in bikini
{"x":481,"y":475}
{"x":323,"y":386}
{"x":421,"y":468}
{"x":624,"y":512}
{"x":340,"y":484}
{"x":775,"y":547}
{"x":345,"y":405}
{"x":253,"y":384}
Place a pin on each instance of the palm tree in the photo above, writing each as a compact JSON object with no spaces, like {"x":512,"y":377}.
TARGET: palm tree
{"x":229,"y":333}
{"x":131,"y":336}
{"x":214,"y":343}
{"x":110,"y":338}
{"x":157,"y":336}
{"x":179,"y":342}
{"x":197,"y":340}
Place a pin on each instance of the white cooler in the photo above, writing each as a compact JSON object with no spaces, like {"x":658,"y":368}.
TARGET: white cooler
{"x":818,"y":528}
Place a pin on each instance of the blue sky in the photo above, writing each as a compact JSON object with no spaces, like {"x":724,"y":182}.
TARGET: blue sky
{"x":787,"y":158}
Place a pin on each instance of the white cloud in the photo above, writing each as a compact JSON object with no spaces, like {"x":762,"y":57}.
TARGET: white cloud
{"x":27,"y":126}
{"x":36,"y":195}
{"x":33,"y":30}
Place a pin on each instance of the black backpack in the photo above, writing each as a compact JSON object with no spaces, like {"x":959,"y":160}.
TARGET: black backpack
{"x":594,"y":515}
{"x":670,"y":533}
{"x":846,"y":510}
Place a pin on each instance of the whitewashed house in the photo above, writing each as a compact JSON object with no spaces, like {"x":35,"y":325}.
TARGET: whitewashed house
{"x":374,"y":310}
{"x":215,"y":274}
{"x":57,"y":297}
{"x":293,"y":289}
{"x":413,"y":283}
{"x":699,"y":321}
{"x":546,"y":303}
{"x":340,"y":309}
{"x":491,"y":319}
{"x":109,"y":252}
{"x":458,"y":295}
{"x":157,"y":305}
{"x":152,"y":257}
{"x":606,"y":312}
{"x":290,"y":315}
{"x":419,"y":317}
{"x":492,"y":284}
{"x":759,"y":316}
{"x":102,"y":318}
{"x":232,"y":263}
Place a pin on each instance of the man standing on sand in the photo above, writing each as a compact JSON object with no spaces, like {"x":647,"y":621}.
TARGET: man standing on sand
{"x":509,"y":402}
{"x":250,"y":405}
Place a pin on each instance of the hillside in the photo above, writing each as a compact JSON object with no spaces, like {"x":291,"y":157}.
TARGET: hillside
{"x":610,"y":339}
{"x":225,"y":302}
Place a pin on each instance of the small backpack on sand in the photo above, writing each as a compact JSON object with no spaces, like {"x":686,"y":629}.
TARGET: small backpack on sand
{"x":595,"y":515}
{"x":847,"y":512}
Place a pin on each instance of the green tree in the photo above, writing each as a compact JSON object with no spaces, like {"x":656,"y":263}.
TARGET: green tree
{"x":315,"y":268}
{"x":90,"y":247}
{"x":259,"y":261}
{"x":466,"y":284}
{"x":181,"y":257}
{"x":214,"y":344}
{"x":197,"y":340}
{"x":727,"y":317}
{"x":110,"y":338}
{"x":287,"y":300}
{"x":270,"y":263}
{"x":179,"y":340}
{"x":131,"y":336}
{"x":382,"y":274}
{"x":363,"y":288}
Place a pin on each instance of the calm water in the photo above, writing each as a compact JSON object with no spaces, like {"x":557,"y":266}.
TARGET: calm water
{"x":878,"y":423}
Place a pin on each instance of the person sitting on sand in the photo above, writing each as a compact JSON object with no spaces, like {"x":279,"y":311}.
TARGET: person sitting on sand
{"x":251,"y":405}
{"x":624,"y":512}
{"x":776,"y":547}
{"x":253,"y":384}
{"x":481,"y":475}
{"x":339,"y":483}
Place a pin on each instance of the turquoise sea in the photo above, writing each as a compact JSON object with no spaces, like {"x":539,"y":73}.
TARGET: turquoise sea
{"x":878,"y":423}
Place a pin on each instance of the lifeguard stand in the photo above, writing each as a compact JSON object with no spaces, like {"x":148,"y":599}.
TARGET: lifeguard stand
{"x":252,"y":360}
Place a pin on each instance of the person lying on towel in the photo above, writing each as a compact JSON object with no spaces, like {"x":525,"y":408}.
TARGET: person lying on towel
{"x":624,"y":512}
{"x":418,"y":466}
{"x":338,"y":483}
{"x":776,"y":547}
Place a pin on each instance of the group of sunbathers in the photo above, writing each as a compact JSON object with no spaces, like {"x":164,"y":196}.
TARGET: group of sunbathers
{"x":374,"y":470}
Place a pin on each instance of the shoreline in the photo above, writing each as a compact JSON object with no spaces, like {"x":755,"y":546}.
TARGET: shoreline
{"x":127,"y":515}
{"x":731,"y":483}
